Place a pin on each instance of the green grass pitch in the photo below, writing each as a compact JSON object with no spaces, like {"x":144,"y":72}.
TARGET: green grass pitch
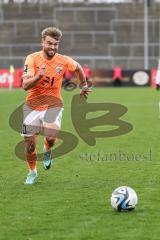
{"x":72,"y":200}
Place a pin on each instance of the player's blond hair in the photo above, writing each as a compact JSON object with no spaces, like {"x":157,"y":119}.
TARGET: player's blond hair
{"x":52,"y":32}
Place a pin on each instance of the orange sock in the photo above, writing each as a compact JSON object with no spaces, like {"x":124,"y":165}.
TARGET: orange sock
{"x":31,"y":160}
{"x":47,"y":145}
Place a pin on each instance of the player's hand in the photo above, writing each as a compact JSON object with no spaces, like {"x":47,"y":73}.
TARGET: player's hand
{"x":84,"y":91}
{"x":157,"y":87}
{"x":41,"y":71}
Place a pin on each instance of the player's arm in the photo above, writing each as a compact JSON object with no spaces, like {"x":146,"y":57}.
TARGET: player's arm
{"x":81,"y":76}
{"x":29,"y":78}
{"x":30,"y":81}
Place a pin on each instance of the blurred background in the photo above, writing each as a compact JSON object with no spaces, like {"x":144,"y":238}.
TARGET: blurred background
{"x":105,"y":35}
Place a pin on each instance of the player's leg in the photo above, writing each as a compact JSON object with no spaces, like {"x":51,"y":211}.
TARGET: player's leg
{"x":52,"y":124}
{"x":31,"y":127}
{"x":49,"y":142}
{"x":51,"y":137}
{"x":30,"y":152}
{"x":31,"y":157}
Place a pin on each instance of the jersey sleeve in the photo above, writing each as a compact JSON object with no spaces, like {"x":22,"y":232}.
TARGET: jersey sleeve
{"x":29,"y":69}
{"x":71,"y":64}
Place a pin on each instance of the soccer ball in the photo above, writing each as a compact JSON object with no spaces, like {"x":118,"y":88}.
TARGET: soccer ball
{"x":124,"y":199}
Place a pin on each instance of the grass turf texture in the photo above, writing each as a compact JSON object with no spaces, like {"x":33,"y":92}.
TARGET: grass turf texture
{"x":72,"y":200}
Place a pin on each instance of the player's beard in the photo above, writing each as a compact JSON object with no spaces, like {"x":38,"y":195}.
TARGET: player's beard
{"x":50,"y":53}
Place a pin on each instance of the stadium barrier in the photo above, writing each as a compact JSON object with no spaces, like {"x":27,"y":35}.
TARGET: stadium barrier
{"x":100,"y":77}
{"x":130,"y":78}
{"x":10,"y":80}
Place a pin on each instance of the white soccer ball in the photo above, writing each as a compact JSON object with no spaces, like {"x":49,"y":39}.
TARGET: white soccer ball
{"x":124,"y":199}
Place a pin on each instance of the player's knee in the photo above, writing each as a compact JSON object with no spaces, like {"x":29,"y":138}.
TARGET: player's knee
{"x":30,"y":147}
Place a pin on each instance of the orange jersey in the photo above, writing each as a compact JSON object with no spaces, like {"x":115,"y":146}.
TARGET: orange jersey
{"x":47,"y":92}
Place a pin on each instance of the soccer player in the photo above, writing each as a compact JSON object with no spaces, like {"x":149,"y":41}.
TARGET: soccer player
{"x":42,"y":78}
